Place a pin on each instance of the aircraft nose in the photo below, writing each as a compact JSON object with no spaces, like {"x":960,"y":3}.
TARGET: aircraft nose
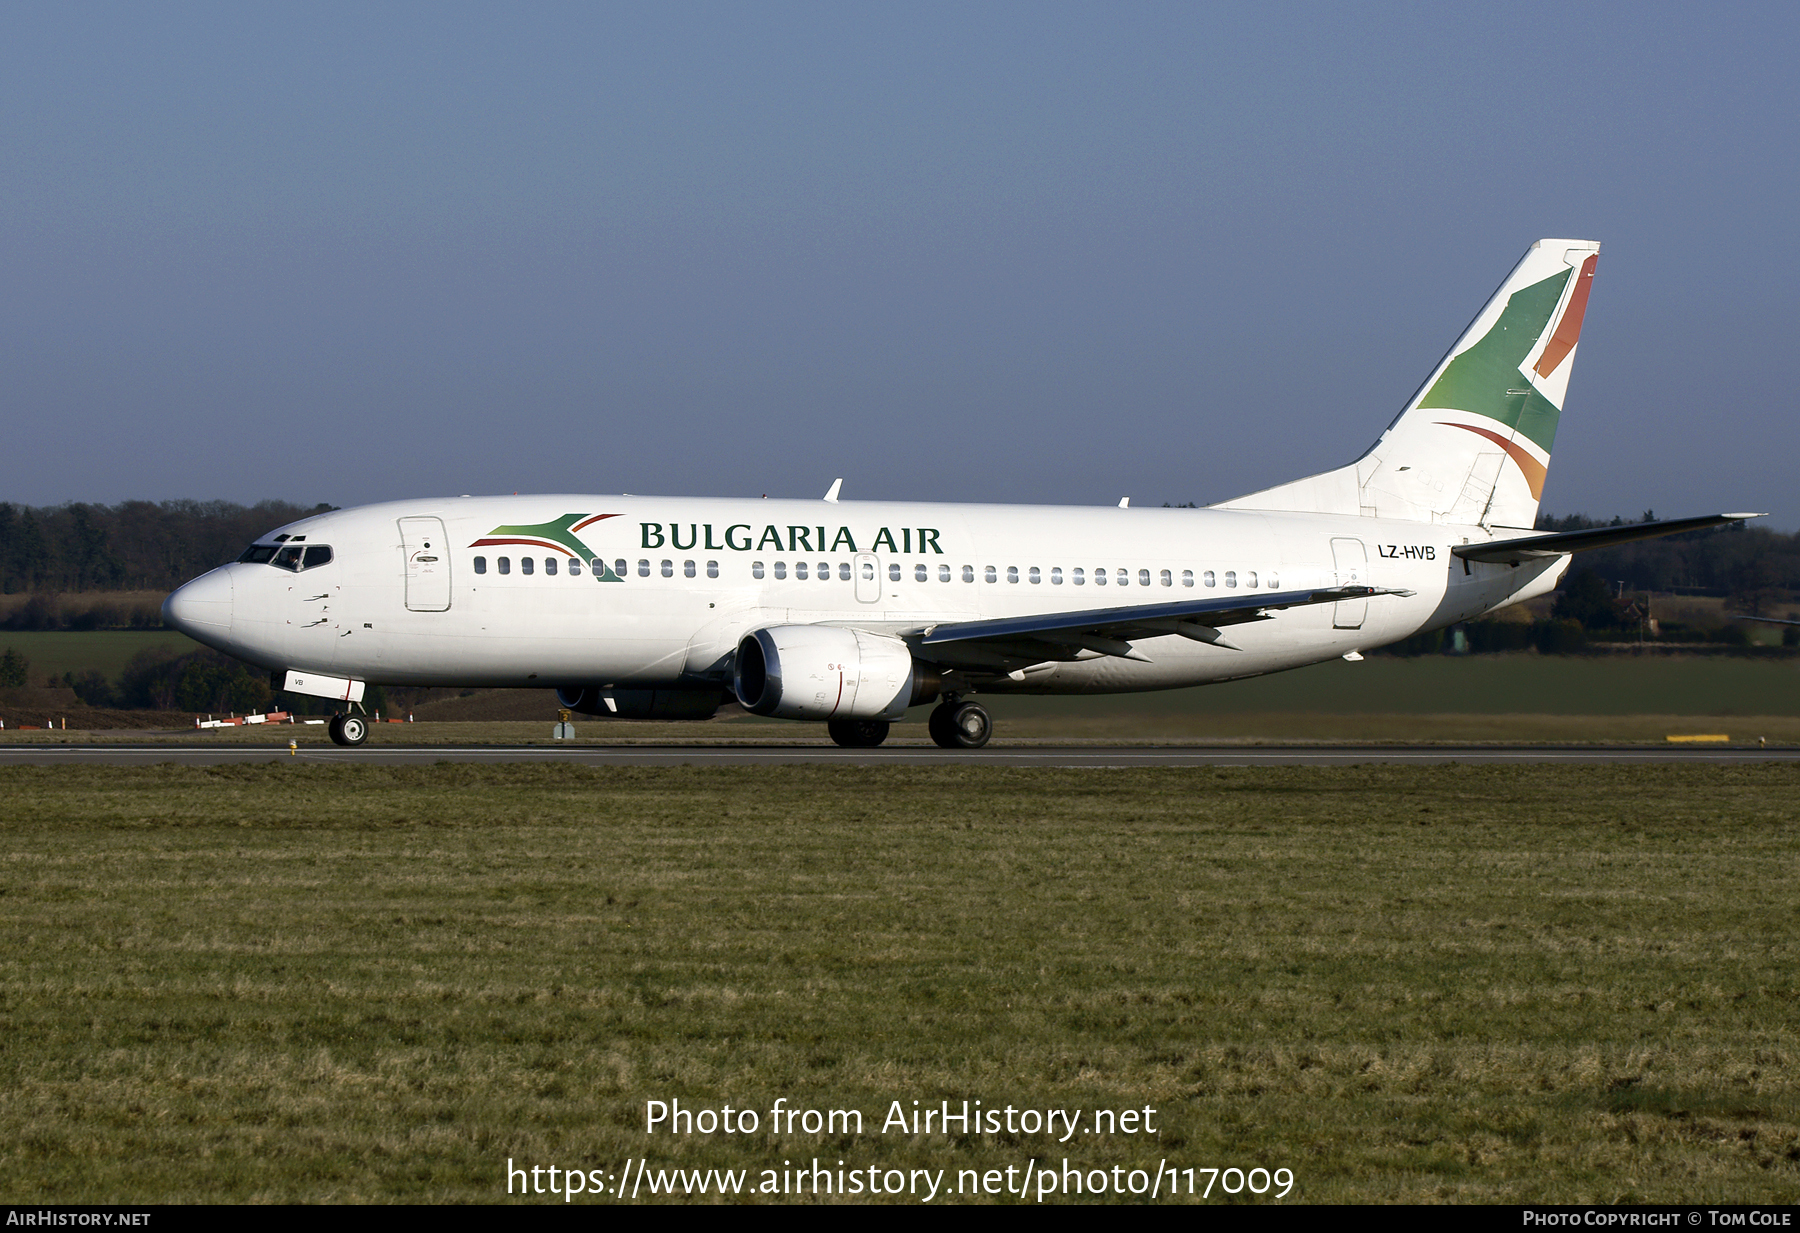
{"x":201,"y":607}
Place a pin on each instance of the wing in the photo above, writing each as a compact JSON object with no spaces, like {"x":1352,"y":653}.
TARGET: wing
{"x":1110,"y":631}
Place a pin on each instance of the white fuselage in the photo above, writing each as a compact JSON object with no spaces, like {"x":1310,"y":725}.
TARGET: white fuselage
{"x":402,"y":602}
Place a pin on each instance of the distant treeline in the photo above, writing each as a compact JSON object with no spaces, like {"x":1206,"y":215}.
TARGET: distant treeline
{"x":1742,"y":561}
{"x":157,"y":546}
{"x":132,"y":546}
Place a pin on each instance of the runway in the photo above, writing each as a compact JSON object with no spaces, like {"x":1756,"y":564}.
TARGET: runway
{"x":1063,"y":757}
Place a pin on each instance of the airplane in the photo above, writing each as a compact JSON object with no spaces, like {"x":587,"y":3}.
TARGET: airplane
{"x":853,"y":612}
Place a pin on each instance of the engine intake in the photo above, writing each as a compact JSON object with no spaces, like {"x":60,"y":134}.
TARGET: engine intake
{"x":821,"y":672}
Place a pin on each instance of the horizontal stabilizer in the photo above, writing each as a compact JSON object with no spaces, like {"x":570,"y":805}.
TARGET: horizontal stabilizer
{"x":1536,"y":547}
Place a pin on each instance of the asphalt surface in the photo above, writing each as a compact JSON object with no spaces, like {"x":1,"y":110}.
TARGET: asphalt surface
{"x":900,"y":755}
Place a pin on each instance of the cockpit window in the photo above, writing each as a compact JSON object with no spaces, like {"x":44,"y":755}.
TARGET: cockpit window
{"x":291,"y":555}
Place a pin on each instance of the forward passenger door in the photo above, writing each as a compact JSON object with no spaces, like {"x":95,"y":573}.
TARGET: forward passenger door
{"x":427,"y":564}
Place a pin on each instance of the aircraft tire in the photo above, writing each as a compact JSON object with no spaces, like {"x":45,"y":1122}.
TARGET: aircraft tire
{"x":939,"y":725}
{"x":348,"y":729}
{"x":858,"y":733}
{"x":968,"y":726}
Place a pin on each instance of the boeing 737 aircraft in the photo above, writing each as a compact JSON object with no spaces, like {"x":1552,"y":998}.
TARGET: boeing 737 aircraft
{"x":851,"y":612}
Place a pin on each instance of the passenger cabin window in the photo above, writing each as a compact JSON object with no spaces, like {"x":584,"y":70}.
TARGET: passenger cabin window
{"x":991,"y":574}
{"x":1187,"y":577}
{"x":1100,"y":577}
{"x":1271,"y":583}
{"x":921,"y":573}
{"x":1125,"y":578}
{"x":1208,"y":578}
{"x":1056,"y":575}
{"x":1250,"y":578}
{"x":1143,"y":577}
{"x":968,"y":573}
{"x":943,"y":573}
{"x":1168,"y":579}
{"x":481,"y":565}
{"x":574,"y":566}
{"x":843,"y":571}
{"x":800,"y":570}
{"x":756,"y":569}
{"x":505,"y":565}
{"x":620,"y":570}
{"x":1012,"y":573}
{"x":687,"y":569}
{"x":893,"y":573}
{"x":526,"y":565}
{"x":781,"y":569}
{"x":1231,"y":577}
{"x":550,"y":566}
{"x":1035,"y":576}
{"x":643,"y":568}
{"x":712,"y":569}
{"x":1078,"y":577}
{"x":668,"y":569}
{"x":824,"y":571}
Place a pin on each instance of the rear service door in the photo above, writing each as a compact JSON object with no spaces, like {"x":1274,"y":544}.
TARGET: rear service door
{"x":427,"y":564}
{"x":1351,"y":561}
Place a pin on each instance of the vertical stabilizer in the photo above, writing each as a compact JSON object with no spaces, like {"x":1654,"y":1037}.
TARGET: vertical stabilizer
{"x":1474,"y":443}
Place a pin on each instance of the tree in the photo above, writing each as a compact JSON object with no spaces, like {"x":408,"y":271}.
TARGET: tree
{"x":14,"y":669}
{"x":1585,"y":598}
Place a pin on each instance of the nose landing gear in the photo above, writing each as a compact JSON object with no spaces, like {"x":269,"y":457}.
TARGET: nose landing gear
{"x":348,"y":729}
{"x":956,"y":724}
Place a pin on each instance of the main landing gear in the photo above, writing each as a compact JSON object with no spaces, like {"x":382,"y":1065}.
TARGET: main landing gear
{"x":348,"y":729}
{"x":956,"y":724}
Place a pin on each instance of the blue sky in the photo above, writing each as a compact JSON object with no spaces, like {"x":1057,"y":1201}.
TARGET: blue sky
{"x":1046,"y":253}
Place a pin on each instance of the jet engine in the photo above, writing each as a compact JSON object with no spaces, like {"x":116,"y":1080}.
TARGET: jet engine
{"x":668,"y":704}
{"x":822,"y":672}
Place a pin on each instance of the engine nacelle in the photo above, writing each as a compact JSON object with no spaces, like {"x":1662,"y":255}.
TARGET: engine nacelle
{"x":821,"y":672}
{"x":669,"y":704}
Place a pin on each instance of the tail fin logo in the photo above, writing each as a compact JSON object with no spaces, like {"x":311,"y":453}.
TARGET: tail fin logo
{"x":1490,"y":378}
{"x":1568,"y":330}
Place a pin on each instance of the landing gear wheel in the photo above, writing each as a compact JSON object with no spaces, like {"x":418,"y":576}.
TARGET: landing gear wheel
{"x":858,"y":733}
{"x":962,"y":725}
{"x":939,"y":726}
{"x":348,"y":729}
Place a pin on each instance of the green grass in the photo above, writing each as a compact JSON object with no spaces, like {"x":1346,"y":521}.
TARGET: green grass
{"x":105,"y":651}
{"x":291,"y":982}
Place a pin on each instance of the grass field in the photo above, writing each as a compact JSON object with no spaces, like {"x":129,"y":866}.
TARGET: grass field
{"x":295,"y":982}
{"x":1523,"y":683}
{"x":1521,"y":697}
{"x":105,"y":651}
